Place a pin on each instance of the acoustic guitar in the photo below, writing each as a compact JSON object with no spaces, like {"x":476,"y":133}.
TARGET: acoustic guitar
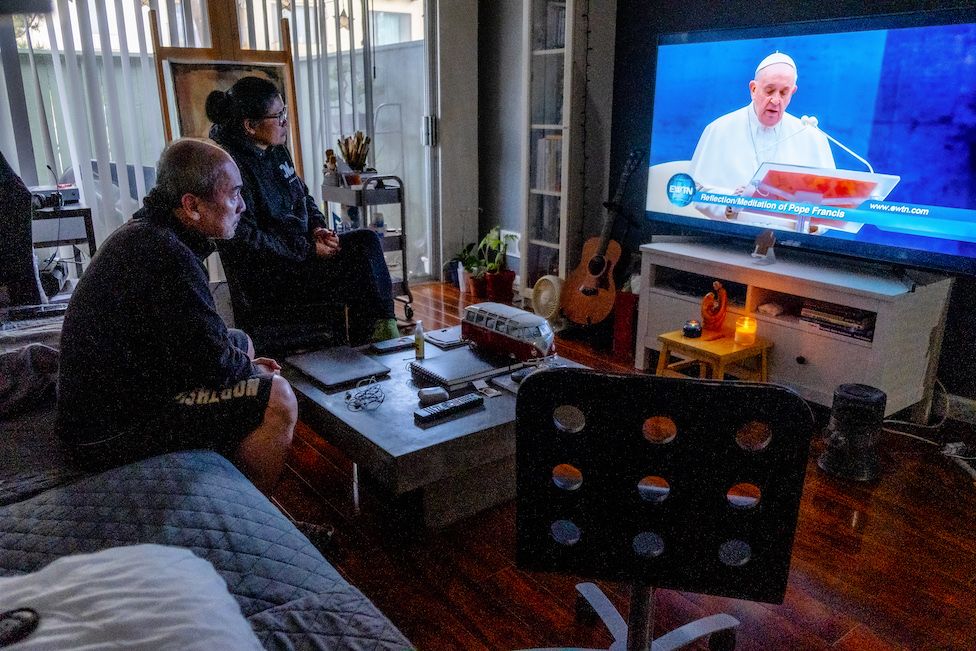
{"x":589,"y":292}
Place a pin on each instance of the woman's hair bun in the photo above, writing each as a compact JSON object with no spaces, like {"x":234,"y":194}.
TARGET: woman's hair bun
{"x":218,"y":107}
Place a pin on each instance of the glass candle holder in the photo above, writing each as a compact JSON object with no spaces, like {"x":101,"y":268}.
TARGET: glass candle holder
{"x":745,"y":330}
{"x":692,"y":329}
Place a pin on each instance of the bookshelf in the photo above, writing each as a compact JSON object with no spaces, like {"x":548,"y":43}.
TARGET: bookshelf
{"x":551,"y":172}
{"x":891,"y":321}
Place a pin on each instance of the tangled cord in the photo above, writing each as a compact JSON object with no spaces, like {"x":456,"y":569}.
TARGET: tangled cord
{"x":367,"y":395}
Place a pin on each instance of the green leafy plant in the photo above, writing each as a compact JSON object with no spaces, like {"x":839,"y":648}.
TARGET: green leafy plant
{"x":492,"y":250}
{"x":468,"y":257}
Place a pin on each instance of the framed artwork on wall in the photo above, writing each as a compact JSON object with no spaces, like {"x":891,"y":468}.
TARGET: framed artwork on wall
{"x":191,"y":82}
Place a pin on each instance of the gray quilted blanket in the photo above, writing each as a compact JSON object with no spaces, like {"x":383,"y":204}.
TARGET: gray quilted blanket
{"x":293,"y":598}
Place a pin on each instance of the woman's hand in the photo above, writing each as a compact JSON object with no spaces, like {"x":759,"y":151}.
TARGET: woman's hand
{"x":326,"y":243}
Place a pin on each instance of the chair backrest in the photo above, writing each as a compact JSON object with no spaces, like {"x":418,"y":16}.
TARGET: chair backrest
{"x":684,"y":484}
{"x":282,"y":328}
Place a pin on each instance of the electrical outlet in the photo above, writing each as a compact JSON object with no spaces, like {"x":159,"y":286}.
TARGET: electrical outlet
{"x":514,"y":249}
{"x":962,"y":409}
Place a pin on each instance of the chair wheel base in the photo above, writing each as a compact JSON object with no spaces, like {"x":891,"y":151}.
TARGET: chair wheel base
{"x":584,"y":612}
{"x":722,"y":640}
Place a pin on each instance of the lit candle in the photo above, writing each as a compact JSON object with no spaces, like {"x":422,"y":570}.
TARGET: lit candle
{"x":692,"y":329}
{"x":745,"y":331}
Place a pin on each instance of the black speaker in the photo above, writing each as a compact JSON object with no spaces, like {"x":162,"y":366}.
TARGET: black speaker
{"x":50,"y":200}
{"x":852,"y":433}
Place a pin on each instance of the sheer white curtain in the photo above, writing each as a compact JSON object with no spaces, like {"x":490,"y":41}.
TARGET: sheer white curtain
{"x":88,"y":102}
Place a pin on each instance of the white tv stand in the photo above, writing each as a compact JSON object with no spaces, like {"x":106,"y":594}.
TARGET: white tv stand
{"x":900,"y":359}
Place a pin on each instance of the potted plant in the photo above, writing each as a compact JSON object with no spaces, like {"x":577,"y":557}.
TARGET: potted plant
{"x":498,"y":277}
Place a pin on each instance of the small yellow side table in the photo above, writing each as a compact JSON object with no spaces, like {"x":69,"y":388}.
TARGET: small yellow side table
{"x":715,"y":358}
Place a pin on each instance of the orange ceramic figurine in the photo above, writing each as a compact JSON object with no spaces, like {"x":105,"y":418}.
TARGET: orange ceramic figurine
{"x":713,"y":311}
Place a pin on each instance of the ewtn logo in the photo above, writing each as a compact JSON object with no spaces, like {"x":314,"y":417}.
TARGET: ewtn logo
{"x":681,"y":189}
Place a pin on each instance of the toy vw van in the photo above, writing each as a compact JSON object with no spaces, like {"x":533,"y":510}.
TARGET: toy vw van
{"x":507,"y":331}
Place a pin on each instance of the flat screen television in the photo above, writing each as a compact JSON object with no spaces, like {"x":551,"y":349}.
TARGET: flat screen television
{"x":874,"y":155}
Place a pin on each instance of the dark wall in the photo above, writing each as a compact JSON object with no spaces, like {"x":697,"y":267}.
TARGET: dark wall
{"x":638,"y":23}
{"x":500,"y":115}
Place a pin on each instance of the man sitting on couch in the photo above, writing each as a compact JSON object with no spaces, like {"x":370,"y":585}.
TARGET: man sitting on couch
{"x":147,"y":364}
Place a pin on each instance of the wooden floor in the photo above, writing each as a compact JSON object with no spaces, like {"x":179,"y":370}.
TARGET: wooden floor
{"x":886,"y":565}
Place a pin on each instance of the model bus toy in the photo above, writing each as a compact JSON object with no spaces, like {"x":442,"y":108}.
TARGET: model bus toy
{"x":507,"y":331}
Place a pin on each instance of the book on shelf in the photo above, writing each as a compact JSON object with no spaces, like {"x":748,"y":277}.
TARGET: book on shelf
{"x":551,"y":91}
{"x":548,"y":162}
{"x":547,"y":226}
{"x":865,"y":322}
{"x":813,"y":306}
{"x":555,"y":24}
{"x":862,"y":334}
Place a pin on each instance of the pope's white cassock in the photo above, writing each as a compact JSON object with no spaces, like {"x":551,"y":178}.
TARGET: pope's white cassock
{"x":732,"y":147}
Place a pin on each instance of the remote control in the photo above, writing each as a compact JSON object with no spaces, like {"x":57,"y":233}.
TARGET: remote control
{"x":447,"y":408}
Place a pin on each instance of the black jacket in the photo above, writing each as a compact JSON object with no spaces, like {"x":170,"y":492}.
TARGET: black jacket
{"x":274,"y":239}
{"x":17,"y":269}
{"x":140,"y":328}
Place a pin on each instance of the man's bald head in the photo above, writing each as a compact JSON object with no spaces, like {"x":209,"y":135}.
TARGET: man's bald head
{"x":189,"y":166}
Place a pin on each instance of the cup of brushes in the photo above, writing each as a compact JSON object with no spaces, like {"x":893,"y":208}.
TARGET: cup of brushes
{"x":354,"y":149}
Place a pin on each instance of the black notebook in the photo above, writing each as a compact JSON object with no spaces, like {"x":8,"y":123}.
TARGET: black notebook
{"x":456,"y":368}
{"x":445,"y":338}
{"x":335,"y":367}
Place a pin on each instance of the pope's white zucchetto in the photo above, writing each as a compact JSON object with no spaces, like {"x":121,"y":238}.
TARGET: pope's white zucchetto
{"x":774,"y":58}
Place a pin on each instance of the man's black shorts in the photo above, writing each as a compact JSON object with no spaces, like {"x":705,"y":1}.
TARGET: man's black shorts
{"x":213,"y":418}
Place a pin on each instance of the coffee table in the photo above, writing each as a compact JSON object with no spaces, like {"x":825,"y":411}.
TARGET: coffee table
{"x":448,"y":470}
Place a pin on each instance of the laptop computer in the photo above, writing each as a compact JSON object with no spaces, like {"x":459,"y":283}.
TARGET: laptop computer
{"x":339,"y":366}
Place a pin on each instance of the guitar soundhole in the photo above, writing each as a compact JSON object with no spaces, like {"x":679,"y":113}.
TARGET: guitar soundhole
{"x":596,"y":265}
{"x":588,"y":291}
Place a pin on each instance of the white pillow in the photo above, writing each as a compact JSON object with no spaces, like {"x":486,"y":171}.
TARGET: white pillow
{"x":137,"y":597}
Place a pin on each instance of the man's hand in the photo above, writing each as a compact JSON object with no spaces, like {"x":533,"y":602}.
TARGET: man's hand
{"x":729,"y":212}
{"x":326,"y":242}
{"x":268,"y":365}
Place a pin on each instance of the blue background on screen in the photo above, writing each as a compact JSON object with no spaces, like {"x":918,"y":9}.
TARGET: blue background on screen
{"x":905,"y":99}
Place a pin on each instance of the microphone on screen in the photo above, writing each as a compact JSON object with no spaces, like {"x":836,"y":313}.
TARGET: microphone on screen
{"x":812,"y":121}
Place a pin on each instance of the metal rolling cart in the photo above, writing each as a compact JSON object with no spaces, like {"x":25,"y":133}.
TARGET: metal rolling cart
{"x":381,"y":190}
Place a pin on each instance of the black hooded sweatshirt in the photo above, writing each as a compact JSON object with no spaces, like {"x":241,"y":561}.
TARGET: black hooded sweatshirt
{"x":140,"y":328}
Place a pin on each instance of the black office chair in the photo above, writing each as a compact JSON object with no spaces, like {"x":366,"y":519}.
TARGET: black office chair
{"x":689,"y":485}
{"x":285,"y":328}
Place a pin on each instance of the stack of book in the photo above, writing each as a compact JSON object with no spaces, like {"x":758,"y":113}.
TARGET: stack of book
{"x":547,"y":220}
{"x":848,"y":321}
{"x":456,"y":369}
{"x":548,"y":162}
{"x":555,"y":24}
